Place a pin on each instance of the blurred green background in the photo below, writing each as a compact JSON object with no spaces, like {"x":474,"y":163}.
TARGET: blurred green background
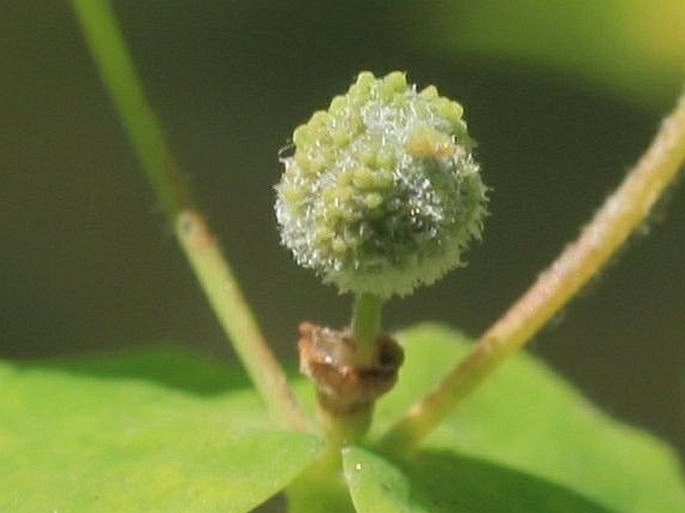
{"x":562,"y":97}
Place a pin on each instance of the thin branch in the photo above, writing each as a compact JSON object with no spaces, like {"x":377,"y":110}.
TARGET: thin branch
{"x":234,"y":314}
{"x":624,"y":211}
{"x":211,"y":268}
{"x":119,"y":76}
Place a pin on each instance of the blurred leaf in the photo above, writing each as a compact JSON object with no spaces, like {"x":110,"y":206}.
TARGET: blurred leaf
{"x":80,"y":436}
{"x":635,"y":48}
{"x":445,"y":483}
{"x":529,"y":420}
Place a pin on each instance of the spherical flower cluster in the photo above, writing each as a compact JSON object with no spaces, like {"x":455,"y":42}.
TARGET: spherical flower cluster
{"x":382,"y":193}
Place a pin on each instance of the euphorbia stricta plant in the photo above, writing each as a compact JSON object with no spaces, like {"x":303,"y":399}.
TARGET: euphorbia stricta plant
{"x":380,"y":193}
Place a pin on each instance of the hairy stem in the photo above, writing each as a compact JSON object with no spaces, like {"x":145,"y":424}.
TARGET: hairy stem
{"x":620,"y":215}
{"x":211,"y":268}
{"x":366,"y":326}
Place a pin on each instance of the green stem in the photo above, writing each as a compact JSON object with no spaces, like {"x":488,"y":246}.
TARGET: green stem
{"x":119,"y":77}
{"x":236,"y":318}
{"x":366,"y":326}
{"x":211,"y":268}
{"x":624,"y":211}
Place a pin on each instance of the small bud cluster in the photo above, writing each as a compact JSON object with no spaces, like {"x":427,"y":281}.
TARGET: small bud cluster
{"x":382,"y":193}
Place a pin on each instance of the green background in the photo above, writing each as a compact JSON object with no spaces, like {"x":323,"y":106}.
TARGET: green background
{"x":561,"y":96}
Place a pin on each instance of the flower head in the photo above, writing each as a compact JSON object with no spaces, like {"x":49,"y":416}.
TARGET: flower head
{"x":382,"y":193}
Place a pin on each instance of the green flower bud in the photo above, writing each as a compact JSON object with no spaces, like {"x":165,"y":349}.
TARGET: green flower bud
{"x":382,"y":193}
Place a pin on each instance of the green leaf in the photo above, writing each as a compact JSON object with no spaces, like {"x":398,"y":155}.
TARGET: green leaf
{"x":528,"y":419}
{"x":445,"y":483}
{"x":168,"y":431}
{"x":377,"y":486}
{"x":97,"y":435}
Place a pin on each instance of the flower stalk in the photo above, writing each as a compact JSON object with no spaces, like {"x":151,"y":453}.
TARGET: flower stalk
{"x":366,"y":327}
